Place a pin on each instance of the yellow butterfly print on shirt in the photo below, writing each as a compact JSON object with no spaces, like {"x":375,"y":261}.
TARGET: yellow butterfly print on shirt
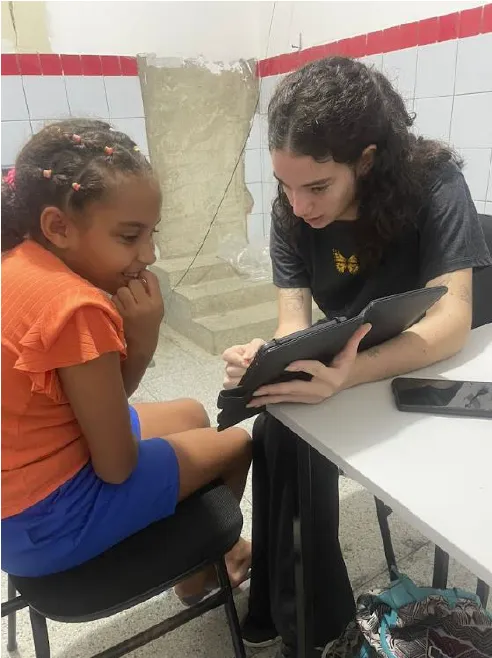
{"x":350,"y":264}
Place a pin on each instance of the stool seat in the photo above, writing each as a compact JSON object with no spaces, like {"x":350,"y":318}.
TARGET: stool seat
{"x":204,"y":528}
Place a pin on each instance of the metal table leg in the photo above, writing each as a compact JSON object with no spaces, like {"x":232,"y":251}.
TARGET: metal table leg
{"x":303,"y":550}
{"x":383,"y":511}
{"x":483,"y":591}
{"x":441,"y":566}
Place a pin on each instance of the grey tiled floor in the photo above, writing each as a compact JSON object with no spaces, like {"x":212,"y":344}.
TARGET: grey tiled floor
{"x":183,"y":370}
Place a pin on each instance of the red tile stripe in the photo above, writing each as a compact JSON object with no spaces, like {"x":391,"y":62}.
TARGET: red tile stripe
{"x":49,"y":64}
{"x":430,"y":30}
{"x":462,"y":24}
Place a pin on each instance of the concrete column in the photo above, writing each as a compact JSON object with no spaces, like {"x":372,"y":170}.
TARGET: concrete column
{"x":198,"y":117}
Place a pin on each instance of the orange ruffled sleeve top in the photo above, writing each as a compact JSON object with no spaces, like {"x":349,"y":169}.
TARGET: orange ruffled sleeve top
{"x":51,"y":318}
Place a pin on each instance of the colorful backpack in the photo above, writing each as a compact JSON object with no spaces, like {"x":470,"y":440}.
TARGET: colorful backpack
{"x":407,"y":621}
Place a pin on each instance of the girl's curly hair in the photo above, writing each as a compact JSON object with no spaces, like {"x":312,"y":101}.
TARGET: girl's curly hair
{"x":332,"y":109}
{"x":67,"y":164}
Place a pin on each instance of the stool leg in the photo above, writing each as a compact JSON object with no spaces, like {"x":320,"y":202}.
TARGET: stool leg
{"x":40,"y":634}
{"x":441,"y":566}
{"x":483,"y":591}
{"x":231,"y":612}
{"x":12,"y":619}
{"x":383,"y":511}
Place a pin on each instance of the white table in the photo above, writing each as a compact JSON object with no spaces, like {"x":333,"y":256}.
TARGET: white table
{"x":433,"y":471}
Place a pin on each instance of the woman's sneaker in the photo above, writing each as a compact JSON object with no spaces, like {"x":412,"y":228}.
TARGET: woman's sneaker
{"x":256,"y":636}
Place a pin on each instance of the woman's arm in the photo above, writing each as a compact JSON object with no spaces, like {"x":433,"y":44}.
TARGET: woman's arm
{"x":294,"y":313}
{"x":97,"y":396}
{"x":439,"y":335}
{"x":294,"y":310}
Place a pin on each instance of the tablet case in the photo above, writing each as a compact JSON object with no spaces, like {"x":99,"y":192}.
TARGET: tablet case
{"x":389,"y":316}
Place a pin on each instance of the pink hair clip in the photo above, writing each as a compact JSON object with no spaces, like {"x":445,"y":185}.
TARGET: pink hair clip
{"x":10,"y":178}
{"x":109,"y":150}
{"x":76,"y":186}
{"x":47,"y":173}
{"x":76,"y":138}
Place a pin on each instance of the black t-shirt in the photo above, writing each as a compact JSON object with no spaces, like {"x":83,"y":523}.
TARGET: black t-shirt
{"x":447,"y":236}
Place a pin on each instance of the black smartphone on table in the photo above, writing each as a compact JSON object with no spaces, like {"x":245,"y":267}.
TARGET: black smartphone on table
{"x":443,"y":397}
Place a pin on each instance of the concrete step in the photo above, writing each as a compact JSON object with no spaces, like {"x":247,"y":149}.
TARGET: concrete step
{"x":215,"y":333}
{"x":205,"y":268}
{"x":215,"y":307}
{"x":220,"y":295}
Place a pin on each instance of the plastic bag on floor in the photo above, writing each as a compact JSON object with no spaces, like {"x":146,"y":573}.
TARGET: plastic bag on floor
{"x":406,"y":621}
{"x":251,"y":261}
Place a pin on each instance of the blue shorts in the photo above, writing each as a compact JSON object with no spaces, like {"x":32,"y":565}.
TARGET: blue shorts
{"x":86,"y":516}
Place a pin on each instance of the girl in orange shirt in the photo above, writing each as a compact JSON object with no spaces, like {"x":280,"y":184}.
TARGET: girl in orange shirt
{"x":80,"y":323}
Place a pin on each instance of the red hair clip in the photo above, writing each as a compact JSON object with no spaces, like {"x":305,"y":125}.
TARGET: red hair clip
{"x":76,"y":186}
{"x":109,"y":150}
{"x":10,"y":178}
{"x":47,"y":173}
{"x":76,"y":139}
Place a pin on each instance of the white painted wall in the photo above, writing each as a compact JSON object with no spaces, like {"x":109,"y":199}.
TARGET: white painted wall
{"x":223,"y":30}
{"x":219,"y":31}
{"x":319,"y":21}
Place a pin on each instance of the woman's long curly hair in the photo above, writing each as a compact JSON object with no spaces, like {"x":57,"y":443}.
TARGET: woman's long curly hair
{"x":334,"y":108}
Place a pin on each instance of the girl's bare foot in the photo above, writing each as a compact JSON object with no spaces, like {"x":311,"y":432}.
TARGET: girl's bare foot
{"x":238,"y":563}
{"x":197,"y":585}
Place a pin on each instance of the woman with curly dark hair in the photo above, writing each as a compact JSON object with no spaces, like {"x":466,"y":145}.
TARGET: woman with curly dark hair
{"x":364,"y":209}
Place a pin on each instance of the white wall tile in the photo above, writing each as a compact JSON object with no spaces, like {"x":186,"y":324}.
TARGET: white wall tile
{"x":471,"y":126}
{"x":14,"y":135}
{"x":252,"y":166}
{"x":256,"y":191}
{"x":264,"y":131}
{"x":87,"y":96}
{"x":488,"y":208}
{"x":267,"y":87}
{"x":254,"y":138}
{"x":488,"y":196}
{"x":269,"y":194}
{"x":36,"y":126}
{"x":134,"y":128}
{"x":436,"y":65}
{"x":433,"y":117}
{"x":267,"y":222}
{"x":400,"y":67}
{"x":480,"y":206}
{"x":124,"y":96}
{"x":476,"y":171}
{"x":254,"y":228}
{"x":474,"y":64}
{"x":266,"y":166}
{"x":46,"y":97}
{"x":373,"y":60}
{"x":14,"y":106}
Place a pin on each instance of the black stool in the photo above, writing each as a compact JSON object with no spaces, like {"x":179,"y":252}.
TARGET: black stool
{"x":203,"y":529}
